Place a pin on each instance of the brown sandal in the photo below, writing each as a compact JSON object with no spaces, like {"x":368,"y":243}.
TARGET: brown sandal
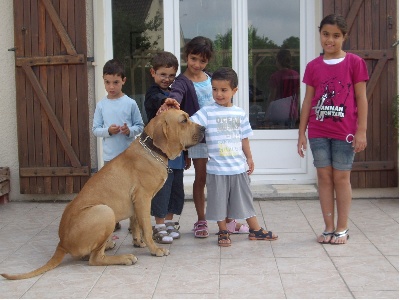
{"x":223,"y":235}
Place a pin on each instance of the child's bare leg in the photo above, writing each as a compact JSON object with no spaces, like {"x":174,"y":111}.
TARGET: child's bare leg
{"x":199,"y":186}
{"x":199,"y":198}
{"x":253,"y":223}
{"x":327,"y":201}
{"x":159,"y":220}
{"x":169,"y":217}
{"x":343,"y":201}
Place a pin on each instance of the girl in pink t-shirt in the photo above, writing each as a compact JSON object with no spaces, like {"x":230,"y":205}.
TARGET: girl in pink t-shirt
{"x":335,"y":112}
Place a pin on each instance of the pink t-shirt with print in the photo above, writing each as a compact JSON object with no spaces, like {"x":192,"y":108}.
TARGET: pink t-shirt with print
{"x":334,"y":108}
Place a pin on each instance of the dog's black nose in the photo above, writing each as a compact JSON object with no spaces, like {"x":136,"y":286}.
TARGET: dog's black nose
{"x":202,"y":129}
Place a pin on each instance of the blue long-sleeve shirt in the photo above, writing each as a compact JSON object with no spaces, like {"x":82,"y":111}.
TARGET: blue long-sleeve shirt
{"x":116,"y":111}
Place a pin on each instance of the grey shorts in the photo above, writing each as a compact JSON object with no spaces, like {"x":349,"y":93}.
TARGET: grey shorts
{"x":198,"y":151}
{"x":330,"y":152}
{"x":229,"y":196}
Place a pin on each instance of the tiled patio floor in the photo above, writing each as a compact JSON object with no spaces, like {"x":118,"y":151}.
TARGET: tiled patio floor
{"x":295,"y":266}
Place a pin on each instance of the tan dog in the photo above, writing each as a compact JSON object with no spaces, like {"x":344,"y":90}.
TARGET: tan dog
{"x":122,"y":189}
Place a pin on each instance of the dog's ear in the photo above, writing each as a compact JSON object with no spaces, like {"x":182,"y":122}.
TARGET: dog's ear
{"x":166,"y":137}
{"x":160,"y":138}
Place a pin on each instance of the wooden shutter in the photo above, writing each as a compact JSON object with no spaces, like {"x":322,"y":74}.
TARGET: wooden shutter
{"x":51,"y":95}
{"x":373,"y":36}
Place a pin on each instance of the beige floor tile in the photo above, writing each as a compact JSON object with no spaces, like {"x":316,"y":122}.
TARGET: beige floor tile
{"x":279,"y":207}
{"x":327,"y":294}
{"x":377,"y":295}
{"x":240,"y":266}
{"x":244,"y":248}
{"x":389,"y":206}
{"x":63,"y":285}
{"x":189,"y":281}
{"x":309,"y":283}
{"x":394,"y":260}
{"x":367,"y":273}
{"x":203,"y":266}
{"x":172,"y":295}
{"x":246,"y":286}
{"x":297,"y":245}
{"x":12,"y":289}
{"x":125,"y":285}
{"x":349,"y":249}
{"x":289,"y":223}
{"x":296,"y":265}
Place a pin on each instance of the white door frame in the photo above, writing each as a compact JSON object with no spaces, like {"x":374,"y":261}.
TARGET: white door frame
{"x":267,"y":145}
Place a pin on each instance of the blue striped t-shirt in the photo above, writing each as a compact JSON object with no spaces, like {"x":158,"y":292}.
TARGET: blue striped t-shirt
{"x":225,"y":129}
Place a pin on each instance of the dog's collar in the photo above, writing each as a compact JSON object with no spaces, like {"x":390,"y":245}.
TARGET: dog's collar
{"x":147,"y":143}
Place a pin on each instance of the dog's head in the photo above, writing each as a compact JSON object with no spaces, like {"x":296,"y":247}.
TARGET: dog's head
{"x":172,"y":131}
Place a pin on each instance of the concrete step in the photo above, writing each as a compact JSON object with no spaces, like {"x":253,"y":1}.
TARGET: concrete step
{"x":305,"y":191}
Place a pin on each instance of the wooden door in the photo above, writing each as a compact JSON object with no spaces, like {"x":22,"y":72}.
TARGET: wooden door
{"x":373,"y":36}
{"x":51,"y":95}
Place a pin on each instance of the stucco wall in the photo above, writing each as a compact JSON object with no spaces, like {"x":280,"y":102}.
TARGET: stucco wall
{"x":8,"y":117}
{"x":8,"y":121}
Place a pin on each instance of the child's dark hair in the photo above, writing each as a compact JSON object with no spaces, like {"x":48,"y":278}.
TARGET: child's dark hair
{"x":337,"y":20}
{"x":284,"y":58}
{"x":114,"y":67}
{"x":227,"y":74}
{"x":200,"y":45}
{"x":164,"y":59}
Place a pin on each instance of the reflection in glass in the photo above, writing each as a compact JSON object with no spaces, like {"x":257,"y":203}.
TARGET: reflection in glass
{"x":211,"y":19}
{"x":274,"y":49}
{"x":138,"y":33}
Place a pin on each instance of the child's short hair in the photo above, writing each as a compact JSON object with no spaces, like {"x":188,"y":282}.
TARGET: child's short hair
{"x":164,"y":59}
{"x":200,"y":45}
{"x":227,"y":74}
{"x":114,"y":67}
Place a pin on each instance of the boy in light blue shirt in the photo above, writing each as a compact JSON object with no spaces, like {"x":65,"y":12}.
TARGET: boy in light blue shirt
{"x":117,"y":117}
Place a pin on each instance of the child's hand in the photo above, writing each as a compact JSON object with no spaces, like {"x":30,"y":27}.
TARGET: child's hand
{"x":250,"y":163}
{"x":168,"y":103}
{"x":124,"y":129}
{"x":114,"y":129}
{"x":360,"y":141}
{"x":188,"y":162}
{"x":301,"y":145}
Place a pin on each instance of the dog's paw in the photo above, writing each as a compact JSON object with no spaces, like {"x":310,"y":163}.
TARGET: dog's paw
{"x":161,"y":252}
{"x":130,"y":259}
{"x":138,"y":243}
{"x":110,"y":245}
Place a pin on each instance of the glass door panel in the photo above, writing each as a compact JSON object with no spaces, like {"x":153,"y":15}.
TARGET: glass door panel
{"x":138,"y":33}
{"x":212,"y":19}
{"x":274,"y":63}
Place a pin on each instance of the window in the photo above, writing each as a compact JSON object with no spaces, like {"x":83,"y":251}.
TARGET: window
{"x":212,"y":19}
{"x":138,"y":33}
{"x":274,"y":63}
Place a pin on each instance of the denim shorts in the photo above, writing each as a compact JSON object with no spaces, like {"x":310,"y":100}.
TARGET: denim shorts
{"x":330,"y":152}
{"x":198,"y":151}
{"x":171,"y":197}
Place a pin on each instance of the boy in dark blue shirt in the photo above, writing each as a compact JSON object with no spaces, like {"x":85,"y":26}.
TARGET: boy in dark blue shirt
{"x":170,"y":199}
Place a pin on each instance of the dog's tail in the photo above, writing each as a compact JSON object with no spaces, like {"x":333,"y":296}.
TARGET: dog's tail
{"x":51,"y":264}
